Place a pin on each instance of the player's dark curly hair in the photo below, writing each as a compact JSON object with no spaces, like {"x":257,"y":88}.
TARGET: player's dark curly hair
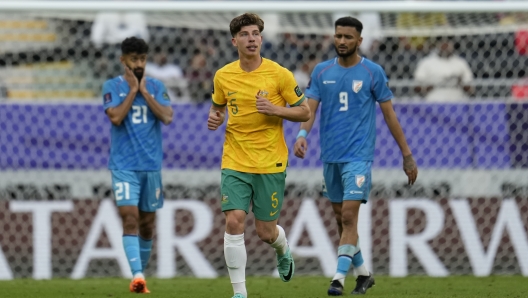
{"x":134,"y":45}
{"x":246,"y":19}
{"x":349,"y":22}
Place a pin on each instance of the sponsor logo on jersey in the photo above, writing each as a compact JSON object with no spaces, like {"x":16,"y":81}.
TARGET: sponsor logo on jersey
{"x":328,"y":82}
{"x":166,"y":96}
{"x":356,"y":85}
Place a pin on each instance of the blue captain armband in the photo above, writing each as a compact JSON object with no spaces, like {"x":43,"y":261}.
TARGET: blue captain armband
{"x":302,"y":133}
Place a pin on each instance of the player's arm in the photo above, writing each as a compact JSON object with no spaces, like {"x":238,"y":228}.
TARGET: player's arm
{"x":314,"y":97}
{"x":383,"y":95}
{"x":118,"y":113}
{"x":301,"y":144}
{"x":218,"y":106}
{"x":409,"y":165}
{"x":298,"y":113}
{"x":163,"y":112}
{"x":216,"y":117}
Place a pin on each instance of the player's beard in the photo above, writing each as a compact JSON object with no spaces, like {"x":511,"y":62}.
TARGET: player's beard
{"x":139,"y":74}
{"x":346,"y":54}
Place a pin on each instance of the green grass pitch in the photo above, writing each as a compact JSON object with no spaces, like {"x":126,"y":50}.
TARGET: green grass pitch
{"x":266,"y":287}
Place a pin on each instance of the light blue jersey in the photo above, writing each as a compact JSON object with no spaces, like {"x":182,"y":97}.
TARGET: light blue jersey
{"x":348,"y":99}
{"x":136,"y":143}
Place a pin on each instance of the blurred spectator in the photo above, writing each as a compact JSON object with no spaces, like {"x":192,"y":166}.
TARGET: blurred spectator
{"x":108,"y":30}
{"x":443,"y":76}
{"x":199,"y":77}
{"x":171,"y":75}
{"x":113,"y":27}
{"x":372,"y":30}
{"x":302,"y":74}
{"x":415,"y":20}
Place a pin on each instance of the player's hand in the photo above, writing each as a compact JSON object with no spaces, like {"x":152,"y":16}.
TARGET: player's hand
{"x":300,"y":147}
{"x":410,"y":168}
{"x":131,"y":79}
{"x":143,"y":85}
{"x":264,"y":106}
{"x":215,"y":120}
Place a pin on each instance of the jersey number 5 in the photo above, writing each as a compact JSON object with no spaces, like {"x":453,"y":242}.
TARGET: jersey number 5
{"x":139,"y":115}
{"x":343,"y":99}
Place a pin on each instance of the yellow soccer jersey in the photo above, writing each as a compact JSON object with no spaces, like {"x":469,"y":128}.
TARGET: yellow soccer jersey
{"x":254,"y":142}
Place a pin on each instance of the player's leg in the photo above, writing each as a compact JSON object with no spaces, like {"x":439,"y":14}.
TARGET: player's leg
{"x":126,"y":187}
{"x":335,"y":206}
{"x":267,"y":204}
{"x":236,"y":194}
{"x":356,"y":180}
{"x":150,"y":200}
{"x":333,"y":190}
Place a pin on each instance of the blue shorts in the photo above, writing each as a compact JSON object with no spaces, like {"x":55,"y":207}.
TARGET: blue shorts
{"x":347,"y":181}
{"x":141,"y":189}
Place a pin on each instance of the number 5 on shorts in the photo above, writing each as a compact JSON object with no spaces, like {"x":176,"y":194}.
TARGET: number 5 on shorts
{"x":119,"y":188}
{"x":274,"y":203}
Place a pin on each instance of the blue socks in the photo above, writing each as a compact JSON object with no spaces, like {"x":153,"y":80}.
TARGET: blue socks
{"x":145,"y":247}
{"x":131,"y":245}
{"x":357,"y":260}
{"x":345,"y":255}
{"x":343,"y":264}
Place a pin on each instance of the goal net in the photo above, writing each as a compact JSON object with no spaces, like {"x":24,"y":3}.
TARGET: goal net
{"x":465,"y":214}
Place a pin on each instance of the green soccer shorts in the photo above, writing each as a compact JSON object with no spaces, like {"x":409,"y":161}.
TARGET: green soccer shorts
{"x":264,"y":191}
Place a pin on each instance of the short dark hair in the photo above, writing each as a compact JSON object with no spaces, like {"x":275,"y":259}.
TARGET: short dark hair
{"x":349,"y":22}
{"x":246,"y":19}
{"x":134,"y":45}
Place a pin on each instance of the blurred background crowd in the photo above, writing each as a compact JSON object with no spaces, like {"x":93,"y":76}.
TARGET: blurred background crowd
{"x":433,"y":57}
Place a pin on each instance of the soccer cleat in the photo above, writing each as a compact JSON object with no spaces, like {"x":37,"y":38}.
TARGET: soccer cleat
{"x":286,"y":266}
{"x":363,"y":283}
{"x":238,"y":295}
{"x":139,"y":285}
{"x":336,"y":288}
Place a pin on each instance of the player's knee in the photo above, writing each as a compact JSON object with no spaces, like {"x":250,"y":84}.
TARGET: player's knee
{"x":266,"y":235}
{"x":146,"y":230}
{"x":348,"y":219}
{"x":234,"y":226}
{"x":130,"y":224}
{"x":338,"y":219}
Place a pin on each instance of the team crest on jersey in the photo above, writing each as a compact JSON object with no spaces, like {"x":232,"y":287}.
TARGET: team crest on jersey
{"x":108,"y":98}
{"x":360,"y":180}
{"x":263,"y":93}
{"x":158,"y":192}
{"x":356,"y":85}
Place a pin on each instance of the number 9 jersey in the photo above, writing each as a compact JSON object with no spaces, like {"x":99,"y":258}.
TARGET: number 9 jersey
{"x":136,"y":144}
{"x":348,"y":99}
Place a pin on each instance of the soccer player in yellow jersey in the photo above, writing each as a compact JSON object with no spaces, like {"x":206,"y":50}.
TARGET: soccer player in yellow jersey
{"x":255,"y":91}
